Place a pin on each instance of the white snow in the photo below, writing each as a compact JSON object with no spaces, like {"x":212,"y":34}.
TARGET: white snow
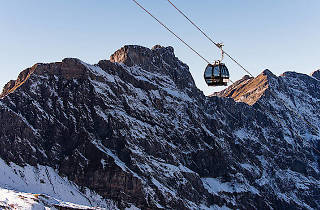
{"x":247,"y":166}
{"x":117,"y":161}
{"x":103,"y":162}
{"x":99,"y":72}
{"x":216,"y":207}
{"x":165,"y":190}
{"x":215,"y":186}
{"x":44,"y":180}
{"x":10,"y":199}
{"x":242,"y":133}
{"x":102,"y":88}
{"x":132,"y":207}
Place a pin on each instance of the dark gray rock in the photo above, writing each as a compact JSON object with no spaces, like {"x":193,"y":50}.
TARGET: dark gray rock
{"x":316,"y":74}
{"x":135,"y":129}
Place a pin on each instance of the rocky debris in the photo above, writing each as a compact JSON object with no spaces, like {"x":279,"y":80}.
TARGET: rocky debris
{"x":136,"y":130}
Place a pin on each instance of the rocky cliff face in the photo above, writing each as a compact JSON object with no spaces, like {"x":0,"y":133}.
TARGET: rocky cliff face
{"x":135,"y":130}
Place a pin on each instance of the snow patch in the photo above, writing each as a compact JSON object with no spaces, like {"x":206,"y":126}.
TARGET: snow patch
{"x":44,"y":180}
{"x":215,"y":186}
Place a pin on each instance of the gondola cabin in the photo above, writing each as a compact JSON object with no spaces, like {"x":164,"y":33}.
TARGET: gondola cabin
{"x":216,"y":74}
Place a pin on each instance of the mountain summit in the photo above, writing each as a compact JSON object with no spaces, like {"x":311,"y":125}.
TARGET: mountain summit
{"x":134,"y":131}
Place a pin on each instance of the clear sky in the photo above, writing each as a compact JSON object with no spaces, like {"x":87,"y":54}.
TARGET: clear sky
{"x":281,"y":35}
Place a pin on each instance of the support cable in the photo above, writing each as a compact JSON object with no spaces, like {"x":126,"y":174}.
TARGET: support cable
{"x":168,"y":29}
{"x":171,"y":31}
{"x":234,"y":60}
{"x":224,"y":52}
{"x":216,"y":44}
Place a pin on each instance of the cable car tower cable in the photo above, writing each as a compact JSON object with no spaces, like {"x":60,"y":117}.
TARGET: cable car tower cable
{"x":184,"y":42}
{"x":216,"y":44}
{"x":171,"y":31}
{"x":224,"y":52}
{"x":234,"y":60}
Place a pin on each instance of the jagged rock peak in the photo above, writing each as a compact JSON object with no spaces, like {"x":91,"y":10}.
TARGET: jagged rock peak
{"x":229,"y":90}
{"x":14,"y":84}
{"x":157,"y":46}
{"x":145,"y":136}
{"x":269,"y":73}
{"x":134,"y":54}
{"x":8,"y":87}
{"x":248,"y":89}
{"x":155,"y":60}
{"x":316,"y":74}
{"x":69,"y":68}
{"x":246,"y":77}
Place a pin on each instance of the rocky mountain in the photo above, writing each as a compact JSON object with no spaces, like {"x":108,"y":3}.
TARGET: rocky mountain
{"x":135,"y":132}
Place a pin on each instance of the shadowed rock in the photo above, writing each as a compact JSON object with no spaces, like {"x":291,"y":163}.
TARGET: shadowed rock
{"x":316,"y":74}
{"x":136,"y":130}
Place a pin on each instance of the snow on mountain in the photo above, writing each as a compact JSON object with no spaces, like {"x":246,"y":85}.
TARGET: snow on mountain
{"x":135,"y":132}
{"x":10,"y":199}
{"x":42,"y":186}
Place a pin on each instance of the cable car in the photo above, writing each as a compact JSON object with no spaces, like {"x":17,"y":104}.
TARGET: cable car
{"x":216,"y":74}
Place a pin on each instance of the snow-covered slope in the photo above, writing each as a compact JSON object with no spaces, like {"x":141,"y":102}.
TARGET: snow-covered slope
{"x":10,"y":199}
{"x":136,"y":131}
{"x":39,"y":186}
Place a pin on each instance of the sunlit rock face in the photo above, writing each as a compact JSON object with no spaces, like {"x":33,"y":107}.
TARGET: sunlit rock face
{"x":136,"y":131}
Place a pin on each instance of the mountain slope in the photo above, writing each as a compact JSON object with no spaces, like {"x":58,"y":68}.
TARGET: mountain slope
{"x":136,"y":130}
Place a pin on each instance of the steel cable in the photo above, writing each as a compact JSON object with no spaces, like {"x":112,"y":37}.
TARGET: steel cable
{"x":217,"y":45}
{"x":234,"y":60}
{"x":171,"y":31}
{"x":168,"y":29}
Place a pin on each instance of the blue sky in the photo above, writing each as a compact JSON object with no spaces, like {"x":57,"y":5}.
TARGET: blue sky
{"x":281,"y":35}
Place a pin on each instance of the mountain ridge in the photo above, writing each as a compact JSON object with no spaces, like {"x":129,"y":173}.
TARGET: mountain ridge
{"x":135,"y":130}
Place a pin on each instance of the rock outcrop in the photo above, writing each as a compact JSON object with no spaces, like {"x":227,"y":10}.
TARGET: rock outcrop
{"x":136,"y":130}
{"x":316,"y":74}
